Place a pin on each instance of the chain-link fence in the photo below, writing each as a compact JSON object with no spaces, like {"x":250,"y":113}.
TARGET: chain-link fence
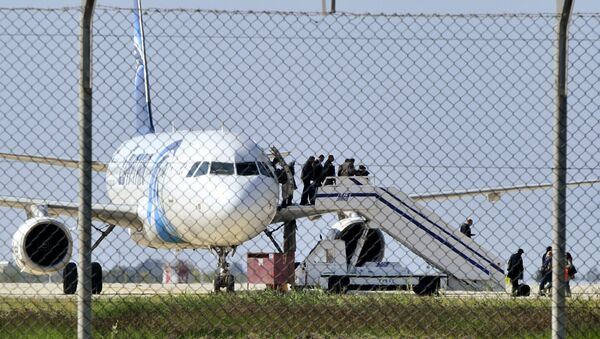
{"x":407,"y":105}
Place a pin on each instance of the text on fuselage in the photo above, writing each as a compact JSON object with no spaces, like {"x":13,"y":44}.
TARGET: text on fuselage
{"x":135,"y":169}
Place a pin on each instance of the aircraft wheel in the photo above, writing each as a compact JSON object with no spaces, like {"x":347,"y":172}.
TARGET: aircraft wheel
{"x":70,"y":278}
{"x":217,"y":284}
{"x":338,"y":284}
{"x":96,"y":278}
{"x":427,"y":285}
{"x":230,"y":283}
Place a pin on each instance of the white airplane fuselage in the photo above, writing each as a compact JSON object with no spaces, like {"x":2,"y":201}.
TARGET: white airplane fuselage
{"x":194,"y":189}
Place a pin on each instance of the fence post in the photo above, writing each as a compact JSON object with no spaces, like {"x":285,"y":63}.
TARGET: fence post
{"x":84,"y":285}
{"x":560,"y":174}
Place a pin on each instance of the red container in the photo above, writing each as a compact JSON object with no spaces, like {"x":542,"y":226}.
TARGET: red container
{"x":271,"y":268}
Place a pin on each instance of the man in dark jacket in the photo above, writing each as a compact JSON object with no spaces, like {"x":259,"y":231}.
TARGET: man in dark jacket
{"x":319,"y":170}
{"x":548,"y":249}
{"x":546,"y":282}
{"x":317,"y":178}
{"x":307,"y":176}
{"x":515,"y":269}
{"x":465,"y":228}
{"x":329,"y":170}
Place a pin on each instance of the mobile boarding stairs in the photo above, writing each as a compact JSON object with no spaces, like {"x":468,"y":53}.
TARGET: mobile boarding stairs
{"x":465,"y":264}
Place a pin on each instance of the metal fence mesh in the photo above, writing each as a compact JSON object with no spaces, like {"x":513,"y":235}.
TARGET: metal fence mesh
{"x":427,"y":103}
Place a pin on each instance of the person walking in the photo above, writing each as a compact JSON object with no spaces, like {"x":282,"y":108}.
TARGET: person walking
{"x":546,"y":269}
{"x":465,"y":228}
{"x":515,"y":270}
{"x":548,"y":249}
{"x":569,"y":274}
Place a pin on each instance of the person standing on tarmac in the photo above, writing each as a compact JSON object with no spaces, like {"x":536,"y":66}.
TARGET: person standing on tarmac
{"x":515,"y":270}
{"x":546,"y":269}
{"x":569,"y":273}
{"x":548,"y":249}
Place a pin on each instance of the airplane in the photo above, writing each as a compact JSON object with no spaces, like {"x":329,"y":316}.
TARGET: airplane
{"x":171,"y":190}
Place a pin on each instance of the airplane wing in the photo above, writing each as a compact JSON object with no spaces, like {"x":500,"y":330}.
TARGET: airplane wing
{"x":122,"y":215}
{"x":96,"y":166}
{"x":493,"y":193}
{"x":296,"y":212}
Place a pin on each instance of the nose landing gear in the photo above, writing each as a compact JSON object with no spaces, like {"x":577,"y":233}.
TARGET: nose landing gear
{"x":223,"y":279}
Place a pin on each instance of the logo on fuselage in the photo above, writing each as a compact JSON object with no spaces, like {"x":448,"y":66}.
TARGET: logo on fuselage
{"x":135,"y":169}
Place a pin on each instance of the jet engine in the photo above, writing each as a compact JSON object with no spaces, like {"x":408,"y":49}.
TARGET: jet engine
{"x":42,"y":245}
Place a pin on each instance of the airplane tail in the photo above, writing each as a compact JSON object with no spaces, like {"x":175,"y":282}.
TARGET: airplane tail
{"x":141,"y":95}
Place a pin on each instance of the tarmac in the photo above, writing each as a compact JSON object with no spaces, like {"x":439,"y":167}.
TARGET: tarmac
{"x":114,"y":289}
{"x":50,"y":290}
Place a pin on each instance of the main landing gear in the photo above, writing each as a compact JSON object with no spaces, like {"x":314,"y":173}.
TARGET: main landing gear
{"x":70,"y":274}
{"x":223,"y":279}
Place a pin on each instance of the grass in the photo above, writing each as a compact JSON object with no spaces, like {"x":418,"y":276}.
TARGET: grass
{"x":296,"y":315}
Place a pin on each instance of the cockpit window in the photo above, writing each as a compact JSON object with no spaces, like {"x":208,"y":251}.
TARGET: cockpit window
{"x":199,"y":168}
{"x":221,"y":168}
{"x":202,"y":169}
{"x":193,"y":169}
{"x":264,"y":169}
{"x":246,"y":168}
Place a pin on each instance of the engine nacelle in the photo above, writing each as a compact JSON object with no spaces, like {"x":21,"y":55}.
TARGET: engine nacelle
{"x":350,"y":230}
{"x":42,"y":245}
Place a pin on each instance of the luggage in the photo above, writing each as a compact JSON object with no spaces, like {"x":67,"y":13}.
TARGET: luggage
{"x":523,"y":290}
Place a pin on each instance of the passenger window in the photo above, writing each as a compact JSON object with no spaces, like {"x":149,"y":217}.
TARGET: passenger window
{"x":202,"y":169}
{"x":246,"y":168}
{"x":265,"y":170}
{"x":221,"y":168}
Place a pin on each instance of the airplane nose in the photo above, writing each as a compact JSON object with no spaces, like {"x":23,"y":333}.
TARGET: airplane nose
{"x":232,"y":211}
{"x":247,"y":208}
{"x":251,"y":199}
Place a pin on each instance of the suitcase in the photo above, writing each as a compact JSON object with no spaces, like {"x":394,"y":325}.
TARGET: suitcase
{"x":523,"y":290}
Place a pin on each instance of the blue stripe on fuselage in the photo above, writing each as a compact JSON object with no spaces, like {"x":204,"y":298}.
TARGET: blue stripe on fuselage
{"x":155,"y":212}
